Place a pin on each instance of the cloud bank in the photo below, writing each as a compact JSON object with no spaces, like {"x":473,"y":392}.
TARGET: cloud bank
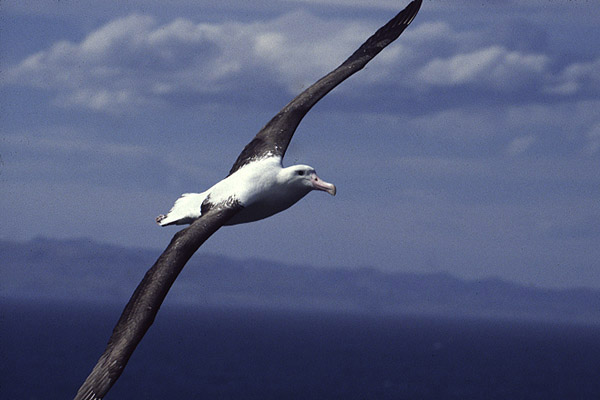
{"x":136,"y":62}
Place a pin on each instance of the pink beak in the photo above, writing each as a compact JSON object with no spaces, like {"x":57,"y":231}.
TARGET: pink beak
{"x":319,"y":184}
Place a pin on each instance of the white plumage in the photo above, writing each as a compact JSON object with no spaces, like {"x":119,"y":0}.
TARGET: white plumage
{"x":263,"y":187}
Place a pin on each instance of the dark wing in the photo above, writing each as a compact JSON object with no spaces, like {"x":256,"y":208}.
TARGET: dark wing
{"x":275,"y":137}
{"x":143,"y":306}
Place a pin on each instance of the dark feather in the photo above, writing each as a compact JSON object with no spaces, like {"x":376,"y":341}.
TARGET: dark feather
{"x":275,"y":137}
{"x":139,"y":313}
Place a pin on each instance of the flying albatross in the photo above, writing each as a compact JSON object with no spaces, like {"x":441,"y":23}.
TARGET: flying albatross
{"x":256,"y":187}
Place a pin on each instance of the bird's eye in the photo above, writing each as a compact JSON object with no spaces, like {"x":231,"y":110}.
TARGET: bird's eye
{"x":300,"y":173}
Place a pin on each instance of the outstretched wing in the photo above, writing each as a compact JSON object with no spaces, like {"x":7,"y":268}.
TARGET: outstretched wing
{"x":275,"y":137}
{"x":139,"y":313}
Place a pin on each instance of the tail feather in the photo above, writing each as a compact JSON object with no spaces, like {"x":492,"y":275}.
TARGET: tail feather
{"x":185,"y":210}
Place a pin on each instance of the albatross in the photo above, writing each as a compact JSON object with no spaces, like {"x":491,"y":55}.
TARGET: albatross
{"x":256,"y":187}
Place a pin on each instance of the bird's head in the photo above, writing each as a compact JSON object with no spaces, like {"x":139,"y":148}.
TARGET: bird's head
{"x":305,"y":177}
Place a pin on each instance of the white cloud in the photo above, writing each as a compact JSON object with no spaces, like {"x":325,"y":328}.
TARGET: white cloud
{"x":115,"y":101}
{"x":521,"y":144}
{"x":297,"y":57}
{"x":496,"y":66}
{"x":136,"y":62}
{"x":441,"y":38}
{"x":578,"y":77}
{"x":127,"y":62}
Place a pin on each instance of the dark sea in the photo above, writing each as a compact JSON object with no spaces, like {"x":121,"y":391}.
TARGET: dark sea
{"x":47,"y":350}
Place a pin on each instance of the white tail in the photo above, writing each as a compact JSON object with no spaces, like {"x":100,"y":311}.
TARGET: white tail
{"x":185,"y":210}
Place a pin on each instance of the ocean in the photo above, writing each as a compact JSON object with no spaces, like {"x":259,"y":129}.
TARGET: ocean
{"x":48,"y":348}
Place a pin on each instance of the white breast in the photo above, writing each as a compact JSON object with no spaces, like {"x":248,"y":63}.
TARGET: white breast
{"x":259,"y":188}
{"x":249,"y":183}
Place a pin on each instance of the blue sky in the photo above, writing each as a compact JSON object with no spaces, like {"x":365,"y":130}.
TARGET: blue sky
{"x":471,"y":145}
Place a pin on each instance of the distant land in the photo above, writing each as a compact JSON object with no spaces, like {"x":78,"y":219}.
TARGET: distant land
{"x":87,"y":271}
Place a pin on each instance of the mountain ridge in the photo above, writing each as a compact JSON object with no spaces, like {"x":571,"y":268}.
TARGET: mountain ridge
{"x":84,"y":270}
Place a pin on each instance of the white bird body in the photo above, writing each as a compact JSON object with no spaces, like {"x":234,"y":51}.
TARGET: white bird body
{"x":262,"y":187}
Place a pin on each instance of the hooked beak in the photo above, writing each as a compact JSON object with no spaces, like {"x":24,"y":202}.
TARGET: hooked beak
{"x":319,"y":184}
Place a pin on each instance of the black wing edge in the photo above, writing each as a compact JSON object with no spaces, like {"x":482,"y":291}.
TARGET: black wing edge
{"x":140,"y":311}
{"x":276,"y":135}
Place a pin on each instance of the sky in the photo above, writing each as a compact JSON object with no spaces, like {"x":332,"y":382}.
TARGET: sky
{"x":471,"y":145}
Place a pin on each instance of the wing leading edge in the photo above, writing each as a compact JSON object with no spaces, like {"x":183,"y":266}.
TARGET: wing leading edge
{"x":143,"y":306}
